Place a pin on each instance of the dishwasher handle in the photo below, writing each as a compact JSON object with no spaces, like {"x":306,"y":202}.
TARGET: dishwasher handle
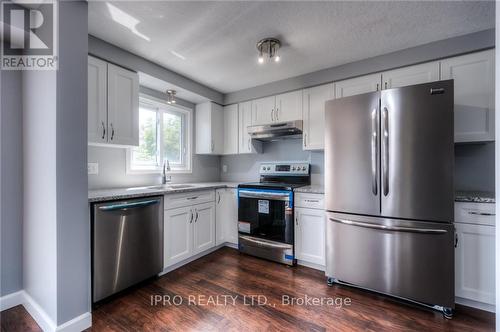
{"x":125,"y":206}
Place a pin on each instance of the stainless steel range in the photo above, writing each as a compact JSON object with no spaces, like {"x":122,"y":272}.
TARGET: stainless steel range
{"x":265,"y":211}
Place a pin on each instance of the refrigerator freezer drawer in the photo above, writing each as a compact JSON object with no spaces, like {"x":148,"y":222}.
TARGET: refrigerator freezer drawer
{"x":408,"y":259}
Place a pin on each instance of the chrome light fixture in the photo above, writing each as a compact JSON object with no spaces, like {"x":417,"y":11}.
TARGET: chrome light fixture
{"x":268,"y":48}
{"x":171,"y":96}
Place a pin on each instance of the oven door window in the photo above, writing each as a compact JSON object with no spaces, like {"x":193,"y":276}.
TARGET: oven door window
{"x":266,"y":218}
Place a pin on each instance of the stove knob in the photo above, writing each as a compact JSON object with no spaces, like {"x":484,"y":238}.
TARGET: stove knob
{"x":263,"y":168}
{"x":303,"y":168}
{"x":268,"y":168}
{"x":293,"y":168}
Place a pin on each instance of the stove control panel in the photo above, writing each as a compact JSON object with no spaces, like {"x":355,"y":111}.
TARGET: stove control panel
{"x":284,"y":168}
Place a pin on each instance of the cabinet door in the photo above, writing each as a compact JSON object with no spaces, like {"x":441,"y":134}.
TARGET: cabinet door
{"x":264,"y":110}
{"x":217,"y":121}
{"x":474,"y":85}
{"x":97,"y":102}
{"x":178,"y":236}
{"x":310,"y":235}
{"x":358,"y":85}
{"x":204,"y":227}
{"x":123,"y":106}
{"x":226,"y":215}
{"x":418,"y":74}
{"x":314,"y":99}
{"x":245,"y":142}
{"x":475,"y":263}
{"x":231,"y":129}
{"x":288,"y":106}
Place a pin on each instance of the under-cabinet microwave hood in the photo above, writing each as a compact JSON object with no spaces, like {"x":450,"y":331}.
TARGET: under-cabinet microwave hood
{"x":276,"y":131}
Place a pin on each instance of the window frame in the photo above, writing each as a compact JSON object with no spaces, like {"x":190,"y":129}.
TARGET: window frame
{"x":162,"y":107}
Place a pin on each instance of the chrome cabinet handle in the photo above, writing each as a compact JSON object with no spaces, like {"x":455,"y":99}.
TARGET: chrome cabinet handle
{"x":311,"y":200}
{"x":112,"y":131}
{"x":296,"y":221}
{"x":125,"y":206}
{"x":218,"y":198}
{"x":481,"y":213}
{"x":249,"y":148}
{"x":305,"y":139}
{"x":192,"y":197}
{"x":196,"y":219}
{"x":272,"y":114}
{"x":103,"y":130}
{"x":191,"y":216}
{"x":377,"y":86}
{"x":374,"y":137}
{"x":389,"y":228}
{"x":456,"y":240}
{"x":385,"y":161}
{"x":385,"y":85}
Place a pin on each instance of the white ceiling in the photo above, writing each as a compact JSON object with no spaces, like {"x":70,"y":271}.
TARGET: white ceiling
{"x":217,"y":39}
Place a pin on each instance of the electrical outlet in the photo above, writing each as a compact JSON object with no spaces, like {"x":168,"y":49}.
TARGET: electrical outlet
{"x":93,"y":168}
{"x":224,"y":168}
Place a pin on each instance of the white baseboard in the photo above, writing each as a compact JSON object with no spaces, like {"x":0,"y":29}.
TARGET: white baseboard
{"x":475,"y":304}
{"x":311,"y":265}
{"x":11,"y":300}
{"x":43,"y":320}
{"x":230,"y":245}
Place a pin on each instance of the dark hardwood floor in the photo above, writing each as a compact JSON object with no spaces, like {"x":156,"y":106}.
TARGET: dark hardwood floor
{"x":226,"y":273}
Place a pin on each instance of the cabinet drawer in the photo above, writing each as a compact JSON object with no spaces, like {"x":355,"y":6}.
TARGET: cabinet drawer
{"x":310,"y":201}
{"x":173,"y":201}
{"x":475,"y":213}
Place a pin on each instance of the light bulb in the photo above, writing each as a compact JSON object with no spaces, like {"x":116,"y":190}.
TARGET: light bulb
{"x":173,"y":101}
{"x":261,"y":59}
{"x":277,"y":58}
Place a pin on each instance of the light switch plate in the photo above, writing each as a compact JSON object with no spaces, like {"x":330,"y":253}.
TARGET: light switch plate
{"x":224,"y":168}
{"x":93,"y":168}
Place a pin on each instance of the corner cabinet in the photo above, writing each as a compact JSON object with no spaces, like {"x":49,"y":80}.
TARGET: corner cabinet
{"x":113,"y":104}
{"x":474,"y":76}
{"x":313,"y":114}
{"x":226,"y":215}
{"x":245,"y":143}
{"x":231,"y":124}
{"x":209,"y":129}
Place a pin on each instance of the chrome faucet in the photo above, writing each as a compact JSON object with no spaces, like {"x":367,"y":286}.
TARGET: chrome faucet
{"x":164,"y":177}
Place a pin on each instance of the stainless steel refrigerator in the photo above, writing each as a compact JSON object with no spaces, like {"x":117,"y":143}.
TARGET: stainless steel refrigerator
{"x":389,"y":159}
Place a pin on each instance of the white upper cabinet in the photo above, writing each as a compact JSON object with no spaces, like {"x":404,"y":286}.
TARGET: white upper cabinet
{"x":231,"y":129}
{"x":288,"y":106}
{"x":313,"y":114}
{"x":97,"y":101}
{"x":358,"y":85}
{"x":264,"y":110}
{"x":418,"y":74}
{"x":474,"y":85}
{"x":209,"y":129}
{"x":245,"y":142}
{"x":123,"y":106}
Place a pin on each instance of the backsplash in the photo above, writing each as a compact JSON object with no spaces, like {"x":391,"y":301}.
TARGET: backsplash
{"x":475,"y":167}
{"x":244,"y":168}
{"x":112,"y":170}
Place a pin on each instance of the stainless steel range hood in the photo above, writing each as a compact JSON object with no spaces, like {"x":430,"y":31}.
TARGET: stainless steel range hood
{"x":276,"y":131}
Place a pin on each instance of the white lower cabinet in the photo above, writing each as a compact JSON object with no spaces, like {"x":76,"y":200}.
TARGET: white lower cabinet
{"x":226,"y":214}
{"x":203,"y":227}
{"x":188,"y":229}
{"x":475,"y":263}
{"x":310,"y":229}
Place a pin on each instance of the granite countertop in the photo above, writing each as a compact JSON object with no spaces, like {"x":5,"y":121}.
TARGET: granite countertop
{"x":475,"y":196}
{"x":312,"y":189}
{"x":154,"y":190}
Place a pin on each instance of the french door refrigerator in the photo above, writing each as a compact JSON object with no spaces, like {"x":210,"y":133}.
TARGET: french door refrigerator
{"x":389,"y":159}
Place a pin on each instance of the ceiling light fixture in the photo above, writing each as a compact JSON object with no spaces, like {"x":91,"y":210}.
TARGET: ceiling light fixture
{"x":171,"y":96}
{"x":268,"y":47}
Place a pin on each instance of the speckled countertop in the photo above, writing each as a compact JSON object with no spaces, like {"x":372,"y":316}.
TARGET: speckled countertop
{"x":312,"y":189}
{"x":475,"y":196}
{"x":154,"y":190}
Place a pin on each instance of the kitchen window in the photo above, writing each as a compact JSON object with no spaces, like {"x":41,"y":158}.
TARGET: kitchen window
{"x":164,"y":134}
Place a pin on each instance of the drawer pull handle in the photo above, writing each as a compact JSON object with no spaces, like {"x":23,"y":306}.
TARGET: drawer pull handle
{"x":191,"y":198}
{"x":481,"y":213}
{"x":312,"y":200}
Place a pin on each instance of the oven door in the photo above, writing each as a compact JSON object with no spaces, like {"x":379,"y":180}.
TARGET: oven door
{"x":266,"y":214}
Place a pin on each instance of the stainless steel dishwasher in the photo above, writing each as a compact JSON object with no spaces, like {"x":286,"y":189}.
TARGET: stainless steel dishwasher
{"x":127,"y":243}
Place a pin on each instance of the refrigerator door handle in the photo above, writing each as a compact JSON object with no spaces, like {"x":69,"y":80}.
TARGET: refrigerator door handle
{"x":389,"y":228}
{"x":374,"y":137}
{"x":385,"y":157}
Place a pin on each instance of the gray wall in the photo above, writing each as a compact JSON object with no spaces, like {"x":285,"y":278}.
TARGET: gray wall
{"x":244,"y":168}
{"x":73,"y":227}
{"x":475,"y":167}
{"x":11,"y":150}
